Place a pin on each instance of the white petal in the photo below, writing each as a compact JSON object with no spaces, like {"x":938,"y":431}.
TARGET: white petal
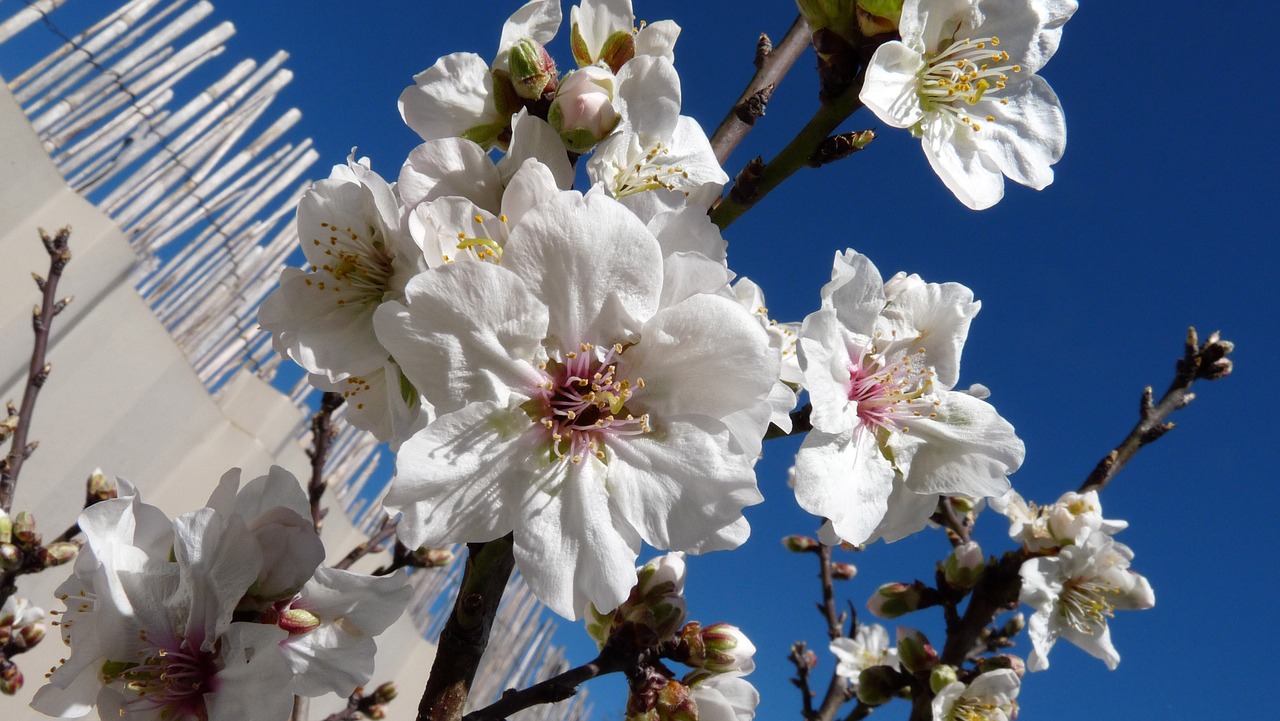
{"x":856,"y":292}
{"x":844,"y":478}
{"x":658,"y":39}
{"x":968,"y":450}
{"x":891,"y":86}
{"x":934,"y":317}
{"x":1029,"y":134}
{"x":825,"y":360}
{"x":532,"y":137}
{"x":649,"y":98}
{"x":450,"y":166}
{"x":536,"y":19}
{"x":954,"y":155}
{"x":450,"y":98}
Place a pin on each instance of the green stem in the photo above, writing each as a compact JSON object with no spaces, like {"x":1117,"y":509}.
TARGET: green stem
{"x":795,"y":156}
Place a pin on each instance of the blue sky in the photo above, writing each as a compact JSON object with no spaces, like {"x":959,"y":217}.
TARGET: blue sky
{"x":1161,"y":217}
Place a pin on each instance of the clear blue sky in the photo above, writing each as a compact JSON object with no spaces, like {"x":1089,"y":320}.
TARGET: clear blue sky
{"x":1161,"y":218}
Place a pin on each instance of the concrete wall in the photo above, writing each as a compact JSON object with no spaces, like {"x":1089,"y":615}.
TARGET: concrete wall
{"x":123,"y":397}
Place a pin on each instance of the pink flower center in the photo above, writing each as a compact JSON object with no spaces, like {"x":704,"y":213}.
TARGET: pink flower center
{"x":583,"y":402}
{"x":888,"y":397}
{"x":173,"y":679}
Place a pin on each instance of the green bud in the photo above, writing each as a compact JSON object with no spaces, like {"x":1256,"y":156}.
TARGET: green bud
{"x":894,"y":599}
{"x":533,"y":71}
{"x":718,"y":648}
{"x":10,"y":557}
{"x":298,"y":621}
{"x":58,"y":553}
{"x":914,"y":651}
{"x":386,"y":693}
{"x":1014,"y":625}
{"x":834,"y":15}
{"x":1003,"y":661}
{"x":800,"y":544}
{"x":843,"y":571}
{"x":877,"y":17}
{"x":964,"y":566}
{"x":29,"y":635}
{"x":100,"y":487}
{"x":941,"y":677}
{"x":24,"y":528}
{"x":6,"y":527}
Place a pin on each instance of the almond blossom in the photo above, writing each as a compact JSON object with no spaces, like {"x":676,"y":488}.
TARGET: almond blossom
{"x":575,"y":409}
{"x":1075,"y":592}
{"x":890,"y":435}
{"x":963,"y":80}
{"x":604,"y":31}
{"x":1039,"y":528}
{"x":868,"y":647}
{"x":989,"y":698}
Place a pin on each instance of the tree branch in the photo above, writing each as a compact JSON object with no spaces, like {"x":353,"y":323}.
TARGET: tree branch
{"x":772,"y":64}
{"x":466,"y":634}
{"x":322,"y":434}
{"x":386,"y":531}
{"x":1207,"y":361}
{"x":38,"y":371}
{"x":555,"y":689}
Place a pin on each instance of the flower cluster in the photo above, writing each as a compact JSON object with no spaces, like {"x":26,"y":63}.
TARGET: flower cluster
{"x":220,"y":613}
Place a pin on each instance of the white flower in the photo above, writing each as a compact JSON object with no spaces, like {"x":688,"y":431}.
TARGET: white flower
{"x":334,"y":650}
{"x":868,"y":647}
{"x":1059,"y":524}
{"x":583,"y":111}
{"x":963,"y":80}
{"x":782,"y":338}
{"x":657,"y":159}
{"x":1075,"y":592}
{"x":889,"y":434}
{"x":574,"y":409}
{"x":152,"y":638}
{"x":604,"y":30}
{"x":989,"y":698}
{"x":462,"y":96}
{"x":321,"y":317}
{"x":722,"y":697}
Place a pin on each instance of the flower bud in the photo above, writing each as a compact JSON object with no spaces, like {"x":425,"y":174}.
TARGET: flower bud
{"x":914,"y":651}
{"x":432,"y":557}
{"x":675,"y":703}
{"x":6,"y":527}
{"x":100,"y":487}
{"x":877,"y":685}
{"x":718,"y":648}
{"x":10,"y":678}
{"x":941,"y":677}
{"x":386,"y":693}
{"x":877,"y":17}
{"x":1014,"y":625}
{"x":533,"y":72}
{"x":1003,"y":661}
{"x":29,"y":635}
{"x":653,"y":612}
{"x":298,"y":621}
{"x":10,"y":557}
{"x":58,"y":553}
{"x":843,"y":571}
{"x":24,"y":528}
{"x":895,"y":599}
{"x":834,"y":15}
{"x":375,"y":712}
{"x":582,"y":112}
{"x":800,"y":544}
{"x":963,"y":504}
{"x":964,"y":566}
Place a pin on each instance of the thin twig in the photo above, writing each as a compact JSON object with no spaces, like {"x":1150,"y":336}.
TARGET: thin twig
{"x":1207,"y":361}
{"x":800,"y":659}
{"x":834,"y":618}
{"x":38,"y":371}
{"x":553,"y":690}
{"x":322,"y":434}
{"x":385,"y":531}
{"x":772,"y":64}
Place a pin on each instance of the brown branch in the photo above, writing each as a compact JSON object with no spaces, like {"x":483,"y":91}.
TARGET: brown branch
{"x":466,"y":634}
{"x":997,"y":591}
{"x":555,"y":689}
{"x":772,"y":64}
{"x":835,"y":619}
{"x":800,"y":658}
{"x":38,"y":371}
{"x":385,"y":531}
{"x":322,"y":434}
{"x":1200,"y":361}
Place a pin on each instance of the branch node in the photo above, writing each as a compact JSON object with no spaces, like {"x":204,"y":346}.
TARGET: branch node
{"x":753,"y":107}
{"x":747,"y":184}
{"x":764,"y":47}
{"x":839,"y":147}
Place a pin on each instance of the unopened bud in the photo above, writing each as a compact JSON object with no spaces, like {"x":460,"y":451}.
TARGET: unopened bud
{"x":433,"y":557}
{"x":10,"y":678}
{"x":298,"y":621}
{"x":582,"y":112}
{"x":941,"y":677}
{"x":375,"y":712}
{"x":914,"y":651}
{"x":1003,"y":661}
{"x":834,"y":15}
{"x":963,"y":504}
{"x":843,"y":571}
{"x":964,"y":566}
{"x":1014,"y":625}
{"x":386,"y":693}
{"x":675,"y":703}
{"x":58,"y":553}
{"x":533,"y":72}
{"x":6,"y":527}
{"x":877,"y":17}
{"x":894,"y":599}
{"x":100,"y":486}
{"x":877,"y":685}
{"x":29,"y":635}
{"x":10,"y":557}
{"x":24,"y":528}
{"x":718,"y":648}
{"x":800,"y":544}
{"x":653,"y":612}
